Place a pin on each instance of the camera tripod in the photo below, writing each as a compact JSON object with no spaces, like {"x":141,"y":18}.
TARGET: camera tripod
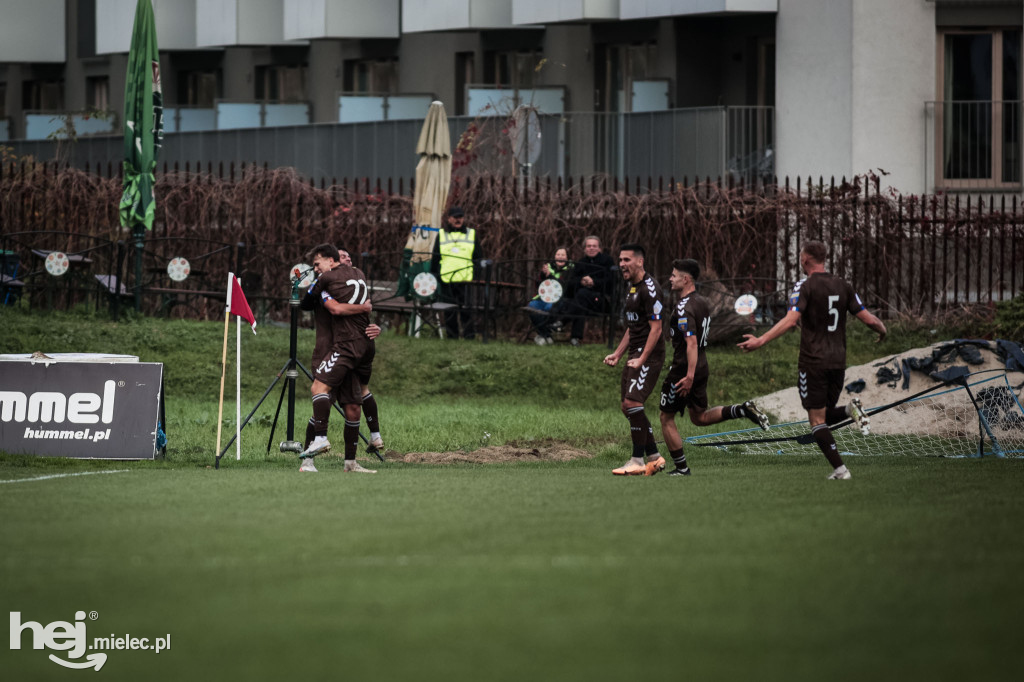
{"x":290,"y":372}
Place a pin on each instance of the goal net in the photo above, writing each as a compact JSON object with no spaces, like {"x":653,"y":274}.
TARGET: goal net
{"x":980,"y":415}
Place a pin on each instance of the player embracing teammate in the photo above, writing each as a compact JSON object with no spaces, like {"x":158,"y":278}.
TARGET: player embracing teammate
{"x":346,"y":364}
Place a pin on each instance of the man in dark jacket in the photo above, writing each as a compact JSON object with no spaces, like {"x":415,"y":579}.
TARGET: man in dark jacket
{"x":590,"y":282}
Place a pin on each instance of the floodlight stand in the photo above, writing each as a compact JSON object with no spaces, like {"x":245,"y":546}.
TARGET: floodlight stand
{"x":290,"y":372}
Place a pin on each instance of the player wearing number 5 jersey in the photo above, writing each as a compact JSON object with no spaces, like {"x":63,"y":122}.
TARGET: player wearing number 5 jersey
{"x":645,"y":354}
{"x":687,"y":382}
{"x":820,"y":304}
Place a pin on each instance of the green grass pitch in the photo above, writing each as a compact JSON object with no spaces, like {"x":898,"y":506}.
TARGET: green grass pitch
{"x":753,"y":568}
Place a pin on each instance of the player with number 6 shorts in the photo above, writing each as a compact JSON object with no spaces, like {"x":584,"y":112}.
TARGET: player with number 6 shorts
{"x":644,"y":348}
{"x":687,"y":382}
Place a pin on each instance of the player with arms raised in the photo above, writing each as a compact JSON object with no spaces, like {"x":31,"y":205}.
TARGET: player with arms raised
{"x":687,"y":380}
{"x":820,"y":304}
{"x":646,"y":355}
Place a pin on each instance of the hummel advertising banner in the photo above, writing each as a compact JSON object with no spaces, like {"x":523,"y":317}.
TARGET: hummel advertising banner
{"x":103,"y":410}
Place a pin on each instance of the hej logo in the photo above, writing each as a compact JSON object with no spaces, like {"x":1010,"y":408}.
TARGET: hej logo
{"x":71,"y":637}
{"x":59,"y":636}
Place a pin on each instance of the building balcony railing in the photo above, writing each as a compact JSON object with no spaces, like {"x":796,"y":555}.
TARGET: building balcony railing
{"x":732,"y":143}
{"x":973,"y":145}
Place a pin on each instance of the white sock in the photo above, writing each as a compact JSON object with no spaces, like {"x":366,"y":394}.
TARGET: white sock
{"x":841,"y":469}
{"x":374,"y":435}
{"x":637,"y":460}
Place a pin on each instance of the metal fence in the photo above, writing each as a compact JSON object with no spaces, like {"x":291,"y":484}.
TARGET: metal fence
{"x":702,"y":142}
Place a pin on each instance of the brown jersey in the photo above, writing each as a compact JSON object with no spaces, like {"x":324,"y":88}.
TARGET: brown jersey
{"x":690,"y":318}
{"x":345,"y":284}
{"x":643,"y":304}
{"x":823,"y":301}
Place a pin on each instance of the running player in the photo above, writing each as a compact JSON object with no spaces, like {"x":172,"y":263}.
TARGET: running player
{"x":687,"y":380}
{"x":644,"y":348}
{"x":819,"y":304}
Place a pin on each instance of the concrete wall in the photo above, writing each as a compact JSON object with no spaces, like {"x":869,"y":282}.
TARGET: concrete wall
{"x":893,"y":76}
{"x":427,"y":63}
{"x":569,"y":52}
{"x":22,"y":25}
{"x":814,"y":88}
{"x":853,"y":77}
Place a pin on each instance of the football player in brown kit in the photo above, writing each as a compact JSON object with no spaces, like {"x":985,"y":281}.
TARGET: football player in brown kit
{"x":819,"y":304}
{"x":342,"y":291}
{"x":370,"y":411}
{"x":687,"y":382}
{"x":644,"y":348}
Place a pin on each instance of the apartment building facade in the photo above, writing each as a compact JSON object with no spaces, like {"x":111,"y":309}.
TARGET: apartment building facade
{"x":927,"y":91}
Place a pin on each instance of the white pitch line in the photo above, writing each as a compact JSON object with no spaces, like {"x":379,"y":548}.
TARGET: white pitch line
{"x":83,"y":473}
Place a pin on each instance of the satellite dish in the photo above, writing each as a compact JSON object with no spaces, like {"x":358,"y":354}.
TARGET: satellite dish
{"x":424,"y":284}
{"x":745,"y":304}
{"x":178,"y":269}
{"x":302,"y":275}
{"x":550,"y":291}
{"x":57,"y":263}
{"x":525,"y":134}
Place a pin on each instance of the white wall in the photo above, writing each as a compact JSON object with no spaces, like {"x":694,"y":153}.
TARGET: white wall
{"x":893,"y":76}
{"x":175,"y":25}
{"x":452,"y":15}
{"x":642,"y":9}
{"x":552,"y":11}
{"x":308,"y":19}
{"x":32,"y":31}
{"x":813,"y":91}
{"x":239,"y":22}
{"x":852,"y":79}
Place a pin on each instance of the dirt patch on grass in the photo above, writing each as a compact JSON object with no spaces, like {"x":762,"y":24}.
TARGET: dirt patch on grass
{"x":549,"y":451}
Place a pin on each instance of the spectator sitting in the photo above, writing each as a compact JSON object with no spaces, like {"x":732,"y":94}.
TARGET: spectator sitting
{"x":560,"y":269}
{"x":590,"y":281}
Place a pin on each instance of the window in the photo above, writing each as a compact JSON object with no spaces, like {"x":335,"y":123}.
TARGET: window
{"x":97,"y":93}
{"x":620,"y":66}
{"x":979,"y":114}
{"x":371,"y":75}
{"x":198,"y":88}
{"x":43,"y":95}
{"x":465,"y":66}
{"x":511,"y":69}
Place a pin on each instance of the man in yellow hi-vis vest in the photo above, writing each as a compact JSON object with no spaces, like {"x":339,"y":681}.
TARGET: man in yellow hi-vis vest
{"x":456,"y":255}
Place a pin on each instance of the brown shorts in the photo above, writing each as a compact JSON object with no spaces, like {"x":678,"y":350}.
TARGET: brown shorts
{"x":638,"y":384}
{"x":343,"y":368}
{"x":673,"y":402}
{"x":820,"y":388}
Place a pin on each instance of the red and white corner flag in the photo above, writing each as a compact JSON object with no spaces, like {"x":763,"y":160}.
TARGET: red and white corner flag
{"x":237,"y":305}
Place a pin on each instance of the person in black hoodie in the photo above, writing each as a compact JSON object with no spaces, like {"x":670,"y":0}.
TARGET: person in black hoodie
{"x":590,"y":283}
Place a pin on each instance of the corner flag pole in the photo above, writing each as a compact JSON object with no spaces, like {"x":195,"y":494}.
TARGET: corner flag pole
{"x":238,"y":388}
{"x":224,"y":361}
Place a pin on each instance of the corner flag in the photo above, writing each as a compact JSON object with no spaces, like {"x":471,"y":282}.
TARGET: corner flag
{"x":237,"y":305}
